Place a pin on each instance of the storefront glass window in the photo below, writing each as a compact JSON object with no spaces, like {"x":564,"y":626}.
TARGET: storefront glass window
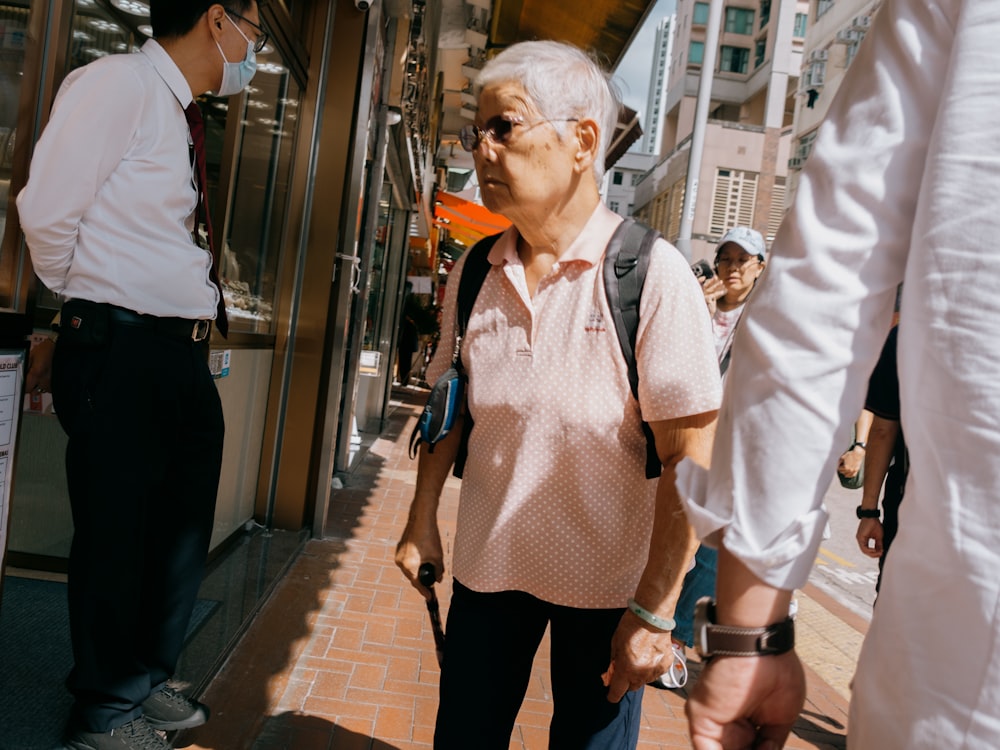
{"x":376,"y":291}
{"x":263,"y":167}
{"x":13,"y":43}
{"x":97,"y":33}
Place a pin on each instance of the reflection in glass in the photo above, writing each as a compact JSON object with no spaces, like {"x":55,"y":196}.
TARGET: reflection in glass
{"x":376,"y":293}
{"x":268,"y":124}
{"x":97,"y":33}
{"x":13,"y":39}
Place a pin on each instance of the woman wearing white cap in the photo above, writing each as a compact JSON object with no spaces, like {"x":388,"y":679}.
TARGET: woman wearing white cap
{"x":739,"y":261}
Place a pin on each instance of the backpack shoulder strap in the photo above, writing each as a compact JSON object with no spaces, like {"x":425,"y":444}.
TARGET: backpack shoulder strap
{"x":477,"y":266}
{"x":626,"y":262}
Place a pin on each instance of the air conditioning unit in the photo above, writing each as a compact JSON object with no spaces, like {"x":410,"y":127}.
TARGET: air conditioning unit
{"x":861,"y":23}
{"x":819,"y":55}
{"x":847,"y":36}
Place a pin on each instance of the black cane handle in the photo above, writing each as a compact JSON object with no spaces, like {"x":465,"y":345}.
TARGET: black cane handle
{"x":427,"y":575}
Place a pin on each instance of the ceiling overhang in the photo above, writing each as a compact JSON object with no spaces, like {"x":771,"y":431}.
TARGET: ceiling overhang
{"x":602,"y":26}
{"x":627,"y":131}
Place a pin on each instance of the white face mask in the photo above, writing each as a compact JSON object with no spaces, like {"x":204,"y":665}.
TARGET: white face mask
{"x":237,"y":76}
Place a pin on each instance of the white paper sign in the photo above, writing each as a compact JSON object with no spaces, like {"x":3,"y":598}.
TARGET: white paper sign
{"x":11,"y":385}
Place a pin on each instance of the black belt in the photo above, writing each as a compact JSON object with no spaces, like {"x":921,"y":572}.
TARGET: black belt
{"x":184,"y":329}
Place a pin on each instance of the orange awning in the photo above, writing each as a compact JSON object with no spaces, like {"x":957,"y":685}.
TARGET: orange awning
{"x":468,"y":221}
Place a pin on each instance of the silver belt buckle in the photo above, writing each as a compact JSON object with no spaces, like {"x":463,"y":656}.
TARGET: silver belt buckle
{"x":200,"y":330}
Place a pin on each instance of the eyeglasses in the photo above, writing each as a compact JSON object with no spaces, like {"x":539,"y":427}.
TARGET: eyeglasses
{"x":262,"y":35}
{"x":740,"y":264}
{"x":498,"y":130}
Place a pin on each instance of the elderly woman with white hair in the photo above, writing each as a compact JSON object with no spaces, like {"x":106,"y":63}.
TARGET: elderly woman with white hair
{"x":558,"y":526}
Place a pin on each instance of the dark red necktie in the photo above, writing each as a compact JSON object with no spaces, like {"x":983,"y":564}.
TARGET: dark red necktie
{"x":202,"y":216}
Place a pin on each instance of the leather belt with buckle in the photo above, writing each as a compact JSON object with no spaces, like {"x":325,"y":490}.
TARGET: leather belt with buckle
{"x":183,"y":329}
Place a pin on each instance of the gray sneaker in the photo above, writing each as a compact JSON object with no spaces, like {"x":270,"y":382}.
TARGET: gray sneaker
{"x":136,"y":735}
{"x":168,"y":709}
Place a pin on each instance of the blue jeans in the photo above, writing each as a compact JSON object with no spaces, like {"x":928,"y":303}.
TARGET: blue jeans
{"x":699,"y":582}
{"x":490,"y":646}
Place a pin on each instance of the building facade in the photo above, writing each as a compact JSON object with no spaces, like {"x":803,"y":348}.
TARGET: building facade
{"x":835,"y":29}
{"x":663,"y":48}
{"x":621,"y":179}
{"x":743,"y":172}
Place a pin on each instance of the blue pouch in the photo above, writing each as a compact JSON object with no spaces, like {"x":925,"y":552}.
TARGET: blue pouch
{"x":440,"y":411}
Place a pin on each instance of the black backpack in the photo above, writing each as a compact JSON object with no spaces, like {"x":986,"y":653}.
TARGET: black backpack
{"x":626,"y":261}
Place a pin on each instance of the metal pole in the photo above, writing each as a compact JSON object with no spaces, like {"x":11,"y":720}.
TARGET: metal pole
{"x":700,"y":122}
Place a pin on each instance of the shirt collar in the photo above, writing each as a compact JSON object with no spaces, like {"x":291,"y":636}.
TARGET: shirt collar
{"x":168,"y":71}
{"x":588,"y":246}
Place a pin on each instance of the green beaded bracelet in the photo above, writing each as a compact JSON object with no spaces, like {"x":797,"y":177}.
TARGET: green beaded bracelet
{"x":666,"y":624}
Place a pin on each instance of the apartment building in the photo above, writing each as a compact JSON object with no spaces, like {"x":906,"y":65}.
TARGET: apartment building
{"x":748,"y":139}
{"x":835,"y":30}
{"x":620,"y":181}
{"x":663,"y":48}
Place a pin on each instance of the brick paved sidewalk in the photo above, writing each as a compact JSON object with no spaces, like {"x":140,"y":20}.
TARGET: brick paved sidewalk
{"x":342,"y":657}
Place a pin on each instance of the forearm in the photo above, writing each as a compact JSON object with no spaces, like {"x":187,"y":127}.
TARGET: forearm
{"x":673,"y":542}
{"x":672,"y":545}
{"x":881,"y":442}
{"x":743,"y":599}
{"x":862,"y":428}
{"x":433,"y":469}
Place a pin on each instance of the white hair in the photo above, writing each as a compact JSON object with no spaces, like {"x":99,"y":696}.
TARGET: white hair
{"x":561,"y":81}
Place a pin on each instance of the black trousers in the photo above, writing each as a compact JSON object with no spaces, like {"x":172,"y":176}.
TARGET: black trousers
{"x":490,"y":646}
{"x":145,"y":430}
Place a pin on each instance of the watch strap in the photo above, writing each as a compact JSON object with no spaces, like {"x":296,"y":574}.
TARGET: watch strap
{"x":729,"y":640}
{"x":867,"y":512}
{"x":713,"y":639}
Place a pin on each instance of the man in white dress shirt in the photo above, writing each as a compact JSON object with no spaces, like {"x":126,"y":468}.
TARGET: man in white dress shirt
{"x":109,"y":217}
{"x":901,"y":186}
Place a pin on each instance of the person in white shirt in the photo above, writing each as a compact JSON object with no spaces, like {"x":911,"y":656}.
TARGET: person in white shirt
{"x":109,"y":215}
{"x":901,"y":186}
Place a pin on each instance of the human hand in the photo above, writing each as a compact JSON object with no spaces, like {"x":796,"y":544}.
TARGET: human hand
{"x":870,"y":530}
{"x":39,"y":376}
{"x":743,"y":702}
{"x":420,"y":543}
{"x":638,"y":653}
{"x":851,"y":462}
{"x":713,"y":289}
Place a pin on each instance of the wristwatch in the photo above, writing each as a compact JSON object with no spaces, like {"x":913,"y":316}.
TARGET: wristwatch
{"x":728,"y":640}
{"x":858,"y":444}
{"x":867,"y":512}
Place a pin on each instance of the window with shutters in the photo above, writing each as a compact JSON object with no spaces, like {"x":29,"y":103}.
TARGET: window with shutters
{"x":659,"y":211}
{"x":676,"y":207}
{"x":733,"y":200}
{"x":777,"y":212}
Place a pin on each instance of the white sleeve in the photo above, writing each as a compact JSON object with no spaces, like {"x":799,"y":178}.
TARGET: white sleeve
{"x":94,"y":119}
{"x":813,"y":329}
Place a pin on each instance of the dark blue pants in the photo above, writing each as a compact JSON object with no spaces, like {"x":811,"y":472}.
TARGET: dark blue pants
{"x":491,"y":643}
{"x":145,"y":431}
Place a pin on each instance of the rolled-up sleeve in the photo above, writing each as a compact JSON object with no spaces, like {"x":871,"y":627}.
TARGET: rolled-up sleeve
{"x":814,"y":327}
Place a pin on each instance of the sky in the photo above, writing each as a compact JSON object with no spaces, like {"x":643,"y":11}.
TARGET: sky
{"x":632,"y":76}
